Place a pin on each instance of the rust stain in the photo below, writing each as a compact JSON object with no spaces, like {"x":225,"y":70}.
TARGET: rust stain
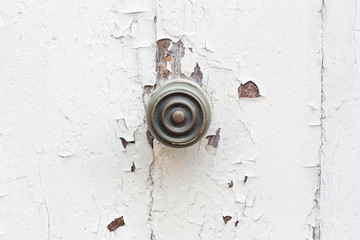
{"x":248,"y":90}
{"x":226,"y":219}
{"x":150,"y":138}
{"x":125,"y":143}
{"x":214,"y":139}
{"x":197,"y":75}
{"x":231,"y":184}
{"x":133,"y":167}
{"x":118,"y":222}
{"x":162,"y":54}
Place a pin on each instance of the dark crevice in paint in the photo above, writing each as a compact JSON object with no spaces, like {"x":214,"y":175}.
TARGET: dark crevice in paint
{"x":214,"y":139}
{"x":125,"y":143}
{"x":248,"y":90}
{"x":118,"y":222}
{"x":231,"y":184}
{"x":150,"y":138}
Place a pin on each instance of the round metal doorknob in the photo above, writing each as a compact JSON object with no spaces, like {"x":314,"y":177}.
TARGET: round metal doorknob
{"x":178,"y":113}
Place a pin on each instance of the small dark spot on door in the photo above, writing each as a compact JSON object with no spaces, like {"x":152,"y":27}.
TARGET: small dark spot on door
{"x":236,"y":223}
{"x":133,"y":167}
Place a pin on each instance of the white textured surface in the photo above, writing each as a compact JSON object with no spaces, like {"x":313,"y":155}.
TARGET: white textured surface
{"x":71,"y":83}
{"x":340,"y":195}
{"x":68,"y":90}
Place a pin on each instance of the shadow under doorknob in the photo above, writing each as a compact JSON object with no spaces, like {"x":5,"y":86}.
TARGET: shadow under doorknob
{"x":178,"y":113}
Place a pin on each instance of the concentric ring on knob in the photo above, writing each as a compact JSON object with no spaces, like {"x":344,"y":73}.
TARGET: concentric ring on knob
{"x":178,"y":113}
{"x":176,"y":105}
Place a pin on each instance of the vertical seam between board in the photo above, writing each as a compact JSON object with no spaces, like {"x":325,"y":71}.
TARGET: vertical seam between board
{"x":317,"y":227}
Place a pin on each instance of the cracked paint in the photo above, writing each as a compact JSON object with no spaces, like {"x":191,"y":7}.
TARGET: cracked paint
{"x":76,"y":153}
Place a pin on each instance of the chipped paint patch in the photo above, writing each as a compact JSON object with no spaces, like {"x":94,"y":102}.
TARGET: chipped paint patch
{"x":226,"y":219}
{"x":213,"y":140}
{"x":197,"y":75}
{"x":162,"y":57}
{"x":118,"y":222}
{"x":124,"y":142}
{"x":248,"y":90}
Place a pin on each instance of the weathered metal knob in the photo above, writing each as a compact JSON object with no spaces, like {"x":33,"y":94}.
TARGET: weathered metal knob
{"x":178,"y":113}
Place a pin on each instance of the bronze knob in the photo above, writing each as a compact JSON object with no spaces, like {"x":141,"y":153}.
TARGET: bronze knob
{"x":178,"y":113}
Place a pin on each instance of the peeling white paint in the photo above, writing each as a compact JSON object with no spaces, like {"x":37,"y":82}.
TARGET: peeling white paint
{"x":72,"y":84}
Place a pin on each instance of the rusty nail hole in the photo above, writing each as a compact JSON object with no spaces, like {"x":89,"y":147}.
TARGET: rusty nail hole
{"x":214,"y":139}
{"x":231,"y":184}
{"x":226,"y":219}
{"x":125,"y":143}
{"x":118,"y":222}
{"x":248,"y":90}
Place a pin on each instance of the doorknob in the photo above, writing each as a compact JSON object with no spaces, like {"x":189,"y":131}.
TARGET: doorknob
{"x":178,"y":113}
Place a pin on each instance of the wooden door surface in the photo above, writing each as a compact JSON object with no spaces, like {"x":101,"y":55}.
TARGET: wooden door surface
{"x":280,"y":160}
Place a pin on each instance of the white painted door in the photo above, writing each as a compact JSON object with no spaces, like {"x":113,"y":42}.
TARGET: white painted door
{"x":76,"y":159}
